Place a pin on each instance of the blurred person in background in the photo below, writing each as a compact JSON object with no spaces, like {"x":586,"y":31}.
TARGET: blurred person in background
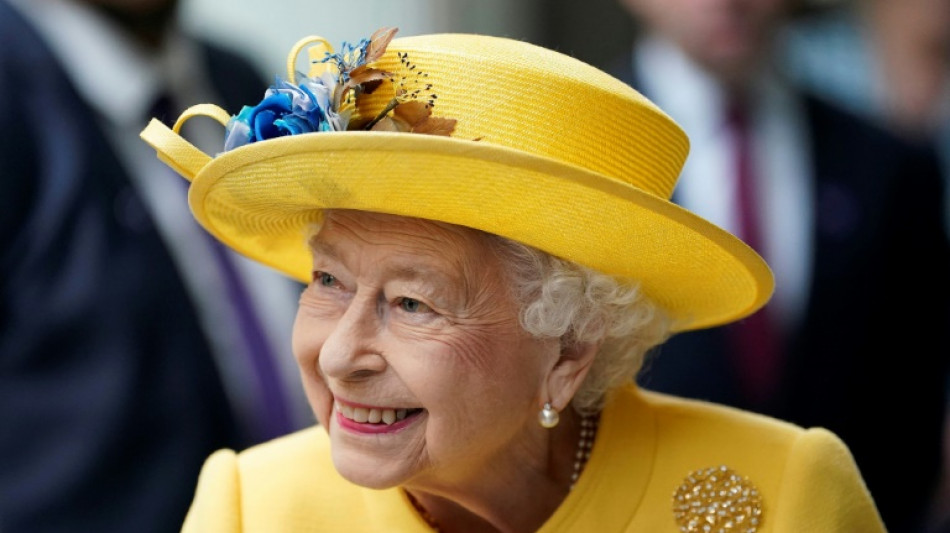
{"x":850,"y":218}
{"x":124,"y":346}
{"x":890,"y":62}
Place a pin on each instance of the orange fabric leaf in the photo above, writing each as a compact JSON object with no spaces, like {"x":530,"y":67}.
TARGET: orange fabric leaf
{"x":378,"y":43}
{"x":363,"y":75}
{"x":435,"y":126}
{"x":413,"y":112}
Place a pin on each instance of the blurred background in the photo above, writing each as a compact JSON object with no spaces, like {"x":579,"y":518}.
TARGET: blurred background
{"x":276,"y":26}
{"x":596,"y":32}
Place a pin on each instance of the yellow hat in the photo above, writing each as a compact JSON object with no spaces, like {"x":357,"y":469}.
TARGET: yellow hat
{"x":544,"y":149}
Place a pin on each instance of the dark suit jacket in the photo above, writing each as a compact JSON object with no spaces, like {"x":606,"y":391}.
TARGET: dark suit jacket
{"x":870,"y":358}
{"x":109,"y":398}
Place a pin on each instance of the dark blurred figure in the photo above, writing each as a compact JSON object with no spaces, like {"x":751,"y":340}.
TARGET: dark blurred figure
{"x":849,"y":217}
{"x":110,"y":392}
{"x":888,"y":61}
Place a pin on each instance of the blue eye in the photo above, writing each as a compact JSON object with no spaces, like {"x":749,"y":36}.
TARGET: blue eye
{"x":327,"y":280}
{"x":410,"y":305}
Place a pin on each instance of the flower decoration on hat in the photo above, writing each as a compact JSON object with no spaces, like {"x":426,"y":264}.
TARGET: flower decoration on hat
{"x":326,"y":102}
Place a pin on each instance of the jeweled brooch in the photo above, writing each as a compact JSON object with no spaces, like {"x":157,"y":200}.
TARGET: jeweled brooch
{"x":717,"y":500}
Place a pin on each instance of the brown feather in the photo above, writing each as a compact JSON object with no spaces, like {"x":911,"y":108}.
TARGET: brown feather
{"x":413,"y":112}
{"x":378,"y":43}
{"x":435,"y":126}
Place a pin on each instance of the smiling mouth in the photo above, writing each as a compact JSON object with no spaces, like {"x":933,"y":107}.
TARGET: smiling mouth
{"x":365,"y":415}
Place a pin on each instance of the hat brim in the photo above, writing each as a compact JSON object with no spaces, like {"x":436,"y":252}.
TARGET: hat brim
{"x":261,"y":198}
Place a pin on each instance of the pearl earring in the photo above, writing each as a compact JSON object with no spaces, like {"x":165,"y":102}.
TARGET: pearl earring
{"x":548,"y":417}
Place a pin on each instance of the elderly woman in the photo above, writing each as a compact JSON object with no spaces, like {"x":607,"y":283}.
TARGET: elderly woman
{"x":486,"y":231}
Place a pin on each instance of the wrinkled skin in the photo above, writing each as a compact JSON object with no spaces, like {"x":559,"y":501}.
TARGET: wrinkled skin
{"x":415,"y":315}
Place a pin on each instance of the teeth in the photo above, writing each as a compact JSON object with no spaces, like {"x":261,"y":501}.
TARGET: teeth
{"x":372,"y":416}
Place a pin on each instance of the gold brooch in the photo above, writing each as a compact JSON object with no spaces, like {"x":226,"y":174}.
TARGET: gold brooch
{"x":717,"y":500}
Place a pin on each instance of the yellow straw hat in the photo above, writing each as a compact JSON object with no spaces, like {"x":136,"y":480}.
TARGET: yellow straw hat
{"x":531,"y":144}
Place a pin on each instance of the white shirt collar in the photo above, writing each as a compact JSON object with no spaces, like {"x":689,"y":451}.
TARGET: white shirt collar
{"x":689,"y":95}
{"x":781,"y":155}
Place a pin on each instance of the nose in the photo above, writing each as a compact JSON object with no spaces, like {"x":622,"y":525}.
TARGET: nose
{"x":351,"y":350}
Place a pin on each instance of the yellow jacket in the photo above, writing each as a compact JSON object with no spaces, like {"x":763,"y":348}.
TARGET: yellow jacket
{"x":789,"y":479}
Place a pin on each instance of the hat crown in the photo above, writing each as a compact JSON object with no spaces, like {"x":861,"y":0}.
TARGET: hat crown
{"x":544,"y":150}
{"x":534,"y":100}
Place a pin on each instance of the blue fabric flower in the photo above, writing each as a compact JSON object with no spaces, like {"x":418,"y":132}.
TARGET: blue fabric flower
{"x":287,"y":109}
{"x":327,"y":101}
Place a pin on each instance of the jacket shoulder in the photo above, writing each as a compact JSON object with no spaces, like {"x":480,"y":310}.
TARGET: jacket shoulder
{"x":290,"y":473}
{"x":286,"y":484}
{"x":711,"y":416}
{"x":806,"y":477}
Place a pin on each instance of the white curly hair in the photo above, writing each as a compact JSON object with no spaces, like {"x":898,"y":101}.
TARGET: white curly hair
{"x":562,"y":299}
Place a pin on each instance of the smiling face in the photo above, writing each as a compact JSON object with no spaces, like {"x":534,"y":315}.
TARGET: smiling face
{"x":411,"y":352}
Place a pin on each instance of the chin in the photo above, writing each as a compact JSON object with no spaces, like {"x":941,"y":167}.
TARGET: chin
{"x":368,"y":472}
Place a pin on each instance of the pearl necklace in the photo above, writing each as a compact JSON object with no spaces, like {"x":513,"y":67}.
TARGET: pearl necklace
{"x":588,"y":432}
{"x":426,"y":517}
{"x":589,"y":424}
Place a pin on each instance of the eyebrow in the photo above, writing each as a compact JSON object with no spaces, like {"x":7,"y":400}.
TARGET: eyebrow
{"x":406,"y":272}
{"x":323,"y":248}
{"x":413,"y":272}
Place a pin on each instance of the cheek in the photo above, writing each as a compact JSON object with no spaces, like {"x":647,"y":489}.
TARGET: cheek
{"x":491,"y":344}
{"x":307,"y":340}
{"x":304,"y":342}
{"x":480,"y":390}
{"x":498,"y":360}
{"x":484,"y":351}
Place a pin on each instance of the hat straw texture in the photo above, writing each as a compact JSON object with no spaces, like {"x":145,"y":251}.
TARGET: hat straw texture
{"x":547,"y":150}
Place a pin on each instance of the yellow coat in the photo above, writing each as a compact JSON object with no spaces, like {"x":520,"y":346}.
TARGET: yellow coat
{"x":646,"y":449}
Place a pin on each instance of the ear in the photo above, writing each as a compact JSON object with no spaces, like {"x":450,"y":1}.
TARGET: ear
{"x":567,"y":374}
